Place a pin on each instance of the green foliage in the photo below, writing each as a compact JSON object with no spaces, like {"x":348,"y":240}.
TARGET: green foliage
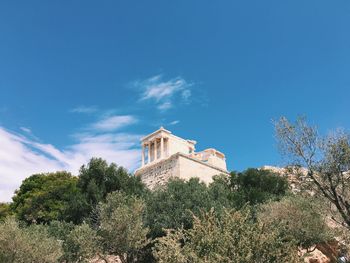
{"x":233,"y":237}
{"x":4,"y":211}
{"x":172,"y":206}
{"x":22,"y":245}
{"x":327,"y":160}
{"x":221,"y":192}
{"x":45,"y":197}
{"x":81,"y":244}
{"x":121,"y":227}
{"x":97,"y":179}
{"x":60,"y":229}
{"x":125,"y":218}
{"x":297,"y":218}
{"x":256,"y":186}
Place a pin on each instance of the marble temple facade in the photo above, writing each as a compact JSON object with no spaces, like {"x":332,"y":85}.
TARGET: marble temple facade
{"x":165,"y":155}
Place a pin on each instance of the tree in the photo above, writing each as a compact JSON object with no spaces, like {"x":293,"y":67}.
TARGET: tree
{"x":45,"y":197}
{"x":4,"y":210}
{"x":97,"y":179}
{"x":297,"y":217}
{"x":121,"y":227}
{"x":81,"y":244}
{"x":172,"y":206}
{"x":233,"y":237}
{"x":256,"y":186}
{"x":327,"y":160}
{"x":22,"y":245}
{"x":222,"y":192}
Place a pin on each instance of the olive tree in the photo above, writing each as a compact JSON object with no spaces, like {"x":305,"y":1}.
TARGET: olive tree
{"x":327,"y":160}
{"x":233,"y":237}
{"x":121,"y":227}
{"x":82,"y":244}
{"x":31,"y":244}
{"x":297,"y":217}
{"x":172,"y":206}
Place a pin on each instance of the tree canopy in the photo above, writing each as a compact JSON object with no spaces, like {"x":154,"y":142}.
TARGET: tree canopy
{"x":42,"y":198}
{"x":30,"y":244}
{"x":121,"y":226}
{"x":327,"y":160}
{"x":97,"y":179}
{"x":232,"y":237}
{"x":248,"y":216}
{"x":172,"y":206}
{"x":256,"y":186}
{"x":298,"y":218}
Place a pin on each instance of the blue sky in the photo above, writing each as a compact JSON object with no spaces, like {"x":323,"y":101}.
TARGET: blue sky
{"x":89,"y":78}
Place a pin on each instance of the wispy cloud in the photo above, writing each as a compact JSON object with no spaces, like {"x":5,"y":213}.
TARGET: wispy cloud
{"x":174,"y":122}
{"x":21,"y":156}
{"x":114,"y":122}
{"x":165,"y":106}
{"x":25,"y":129}
{"x":85,"y":109}
{"x":164,"y":92}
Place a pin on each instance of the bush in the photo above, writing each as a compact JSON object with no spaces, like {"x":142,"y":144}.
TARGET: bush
{"x":22,"y":245}
{"x":5,"y":211}
{"x":82,"y":244}
{"x":98,"y":178}
{"x":234,"y":237}
{"x":121,"y":227}
{"x":255,"y":186}
{"x":172,"y":206}
{"x":298,"y":218}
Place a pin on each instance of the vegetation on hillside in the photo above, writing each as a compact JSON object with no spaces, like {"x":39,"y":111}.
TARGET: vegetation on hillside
{"x":327,"y":160}
{"x":249,"y":216}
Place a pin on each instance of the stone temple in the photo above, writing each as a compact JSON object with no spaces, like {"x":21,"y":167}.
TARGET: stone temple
{"x":165,"y":156}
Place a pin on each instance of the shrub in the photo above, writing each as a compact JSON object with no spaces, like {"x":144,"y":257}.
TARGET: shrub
{"x":121,"y":227}
{"x":234,"y":237}
{"x":298,"y":218}
{"x":22,"y":245}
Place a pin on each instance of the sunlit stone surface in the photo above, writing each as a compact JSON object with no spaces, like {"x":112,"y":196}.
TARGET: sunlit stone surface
{"x":165,"y":155}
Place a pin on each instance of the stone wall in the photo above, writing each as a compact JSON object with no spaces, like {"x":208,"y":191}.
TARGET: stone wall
{"x":178,"y":145}
{"x":177,"y":165}
{"x":159,"y":172}
{"x":190,"y":167}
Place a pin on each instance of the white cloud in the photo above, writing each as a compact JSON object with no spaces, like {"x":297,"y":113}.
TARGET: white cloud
{"x":114,"y":122}
{"x":165,"y":106}
{"x":164,"y":92}
{"x":174,"y":122}
{"x":85,"y":109}
{"x":25,"y":129}
{"x":21,"y":157}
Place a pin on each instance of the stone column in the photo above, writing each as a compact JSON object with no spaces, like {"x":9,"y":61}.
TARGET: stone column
{"x":161,"y":147}
{"x":155,"y":150}
{"x":149,"y":152}
{"x":166,"y":144}
{"x":143,"y":154}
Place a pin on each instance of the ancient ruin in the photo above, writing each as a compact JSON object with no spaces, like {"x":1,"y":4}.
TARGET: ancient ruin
{"x":165,"y":155}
